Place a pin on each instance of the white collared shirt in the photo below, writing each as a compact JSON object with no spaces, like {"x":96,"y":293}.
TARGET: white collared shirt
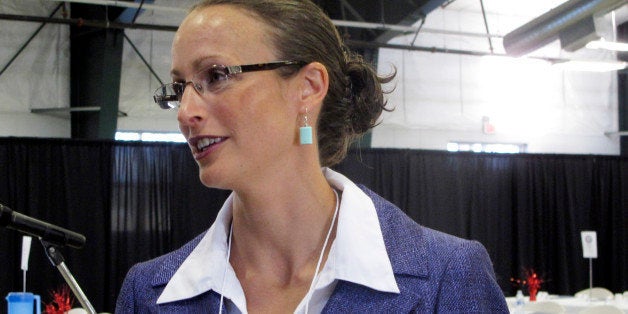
{"x":357,"y":255}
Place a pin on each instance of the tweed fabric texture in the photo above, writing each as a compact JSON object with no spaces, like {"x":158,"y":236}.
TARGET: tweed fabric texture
{"x":435,"y":272}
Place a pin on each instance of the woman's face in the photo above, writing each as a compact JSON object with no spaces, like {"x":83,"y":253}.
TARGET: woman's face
{"x":245,"y":127}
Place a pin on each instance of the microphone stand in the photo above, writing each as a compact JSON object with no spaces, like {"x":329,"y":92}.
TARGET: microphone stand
{"x":55,"y":257}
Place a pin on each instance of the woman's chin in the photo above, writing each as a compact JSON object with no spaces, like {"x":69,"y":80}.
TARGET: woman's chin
{"x":211,"y":179}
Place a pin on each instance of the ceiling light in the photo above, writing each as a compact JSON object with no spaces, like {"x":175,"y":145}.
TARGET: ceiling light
{"x":608,"y":45}
{"x":591,"y":66}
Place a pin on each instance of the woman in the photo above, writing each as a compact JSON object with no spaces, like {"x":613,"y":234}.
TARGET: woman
{"x":267,"y":94}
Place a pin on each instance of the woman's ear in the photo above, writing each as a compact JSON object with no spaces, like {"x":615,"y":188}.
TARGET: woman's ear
{"x":314,"y":85}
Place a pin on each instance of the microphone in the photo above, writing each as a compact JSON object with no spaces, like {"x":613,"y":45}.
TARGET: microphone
{"x":40,"y":229}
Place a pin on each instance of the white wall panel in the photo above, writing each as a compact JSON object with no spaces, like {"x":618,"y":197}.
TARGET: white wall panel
{"x":38,"y":76}
{"x":444,"y":97}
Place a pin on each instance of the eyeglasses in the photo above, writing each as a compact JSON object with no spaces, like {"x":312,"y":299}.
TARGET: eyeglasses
{"x":169,"y":95}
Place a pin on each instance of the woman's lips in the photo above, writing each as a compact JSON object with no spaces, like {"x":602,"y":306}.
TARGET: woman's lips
{"x":205,"y":142}
{"x":204,"y":145}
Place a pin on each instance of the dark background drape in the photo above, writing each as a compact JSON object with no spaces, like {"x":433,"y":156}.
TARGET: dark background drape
{"x":135,"y":201}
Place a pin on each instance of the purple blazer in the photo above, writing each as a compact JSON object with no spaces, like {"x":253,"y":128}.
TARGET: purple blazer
{"x":435,"y":272}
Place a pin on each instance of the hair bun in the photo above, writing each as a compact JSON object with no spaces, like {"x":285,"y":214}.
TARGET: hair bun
{"x":364,"y":95}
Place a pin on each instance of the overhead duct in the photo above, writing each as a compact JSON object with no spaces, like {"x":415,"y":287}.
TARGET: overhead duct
{"x":557,"y":24}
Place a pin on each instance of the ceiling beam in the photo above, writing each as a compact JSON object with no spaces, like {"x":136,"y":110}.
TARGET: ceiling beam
{"x":350,"y":42}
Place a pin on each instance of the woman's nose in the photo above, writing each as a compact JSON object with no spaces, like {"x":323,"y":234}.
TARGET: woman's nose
{"x":192,"y":107}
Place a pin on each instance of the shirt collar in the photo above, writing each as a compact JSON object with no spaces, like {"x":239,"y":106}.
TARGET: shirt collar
{"x":358,"y":254}
{"x":206,"y":266}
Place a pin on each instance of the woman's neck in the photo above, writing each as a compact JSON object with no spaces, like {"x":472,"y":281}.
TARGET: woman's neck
{"x":280,"y":228}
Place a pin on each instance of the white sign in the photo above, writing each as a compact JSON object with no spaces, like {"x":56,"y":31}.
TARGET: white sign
{"x":26,"y":251}
{"x":589,"y":244}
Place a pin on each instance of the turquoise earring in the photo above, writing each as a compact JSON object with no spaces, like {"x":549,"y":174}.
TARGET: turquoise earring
{"x":305,"y":132}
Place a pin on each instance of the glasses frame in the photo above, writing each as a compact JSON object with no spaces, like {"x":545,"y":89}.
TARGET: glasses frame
{"x":167,"y":100}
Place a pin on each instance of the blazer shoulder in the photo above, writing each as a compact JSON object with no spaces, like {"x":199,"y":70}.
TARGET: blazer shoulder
{"x":397,"y":224}
{"x":139,"y":284}
{"x":433,"y":268}
{"x":159,"y":270}
{"x":403,"y":234}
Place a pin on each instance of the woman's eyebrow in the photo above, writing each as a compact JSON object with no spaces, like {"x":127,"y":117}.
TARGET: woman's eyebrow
{"x":196,"y":64}
{"x":175,"y":73}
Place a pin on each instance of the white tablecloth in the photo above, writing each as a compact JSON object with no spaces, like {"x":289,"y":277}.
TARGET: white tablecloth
{"x":572,"y":304}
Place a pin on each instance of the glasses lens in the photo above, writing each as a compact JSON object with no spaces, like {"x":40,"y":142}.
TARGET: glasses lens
{"x":168,"y":95}
{"x":211,"y":79}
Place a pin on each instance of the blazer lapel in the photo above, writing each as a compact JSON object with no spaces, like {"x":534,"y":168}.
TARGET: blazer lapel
{"x":407,"y":250}
{"x":207,"y":302}
{"x":171,"y":262}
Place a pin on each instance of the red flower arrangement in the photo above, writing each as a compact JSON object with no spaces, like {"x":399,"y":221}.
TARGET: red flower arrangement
{"x":532,"y":280}
{"x":61,"y":301}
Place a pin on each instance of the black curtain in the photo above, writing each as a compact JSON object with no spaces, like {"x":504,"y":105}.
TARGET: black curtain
{"x":528,"y":210}
{"x":135,"y":201}
{"x":158,"y":204}
{"x":66,"y":183}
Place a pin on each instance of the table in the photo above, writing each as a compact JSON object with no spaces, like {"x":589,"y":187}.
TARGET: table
{"x":572,"y":304}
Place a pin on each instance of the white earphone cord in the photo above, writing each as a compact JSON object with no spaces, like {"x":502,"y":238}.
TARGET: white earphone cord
{"x":224,"y":275}
{"x":320,"y":258}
